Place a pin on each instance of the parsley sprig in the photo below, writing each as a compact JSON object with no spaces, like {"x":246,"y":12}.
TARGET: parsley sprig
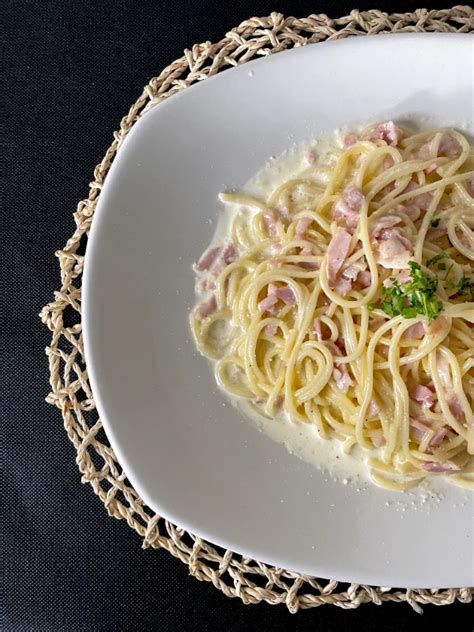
{"x":417,"y":297}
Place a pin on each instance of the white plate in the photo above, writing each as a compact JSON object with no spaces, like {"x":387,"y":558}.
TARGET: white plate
{"x":188,"y":454}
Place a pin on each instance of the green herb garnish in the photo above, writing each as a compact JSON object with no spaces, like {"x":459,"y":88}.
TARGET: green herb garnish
{"x":418,"y":297}
{"x":433,"y":260}
{"x":435,"y":222}
{"x":465,"y":287}
{"x":441,"y":266}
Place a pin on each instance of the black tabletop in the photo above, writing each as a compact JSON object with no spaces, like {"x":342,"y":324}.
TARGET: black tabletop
{"x":73,"y":70}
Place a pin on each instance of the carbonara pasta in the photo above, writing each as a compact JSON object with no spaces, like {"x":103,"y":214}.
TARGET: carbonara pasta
{"x":346,"y":300}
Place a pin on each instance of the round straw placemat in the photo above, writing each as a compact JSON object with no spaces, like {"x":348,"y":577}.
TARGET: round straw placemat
{"x":234,"y":575}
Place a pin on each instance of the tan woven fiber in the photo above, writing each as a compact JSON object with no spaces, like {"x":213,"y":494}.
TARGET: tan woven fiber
{"x":235,"y":575}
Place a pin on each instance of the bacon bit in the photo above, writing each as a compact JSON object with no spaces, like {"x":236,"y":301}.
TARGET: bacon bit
{"x":454,"y":405}
{"x":311,"y":157}
{"x":416,"y":331}
{"x":302,"y":226}
{"x":445,"y":466}
{"x":337,"y":252}
{"x":270,"y":330}
{"x":207,"y":259}
{"x":387,"y":132}
{"x":206,"y":309}
{"x":423,"y":394}
{"x":348,"y":140}
{"x":449,"y":147}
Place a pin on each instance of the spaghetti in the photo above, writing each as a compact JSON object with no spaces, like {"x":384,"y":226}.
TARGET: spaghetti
{"x":346,"y":301}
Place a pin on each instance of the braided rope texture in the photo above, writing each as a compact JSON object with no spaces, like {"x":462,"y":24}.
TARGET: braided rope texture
{"x":234,"y":575}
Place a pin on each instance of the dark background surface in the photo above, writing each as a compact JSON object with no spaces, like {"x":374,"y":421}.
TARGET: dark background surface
{"x":73,"y":70}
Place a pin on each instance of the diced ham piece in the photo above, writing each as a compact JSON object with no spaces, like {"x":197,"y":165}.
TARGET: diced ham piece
{"x":342,"y":378}
{"x":207,"y":259}
{"x":413,"y":212}
{"x":269,"y":219}
{"x":421,"y":201}
{"x":439,"y":327}
{"x":388,"y":162}
{"x":311,"y":157}
{"x":340,"y":373}
{"x":393,"y":249}
{"x":270,"y":330}
{"x":438,"y":436}
{"x":365,"y":278}
{"x":378,"y":440}
{"x":348,"y":140}
{"x":387,"y":132}
{"x":337,"y":252}
{"x":227,"y":255}
{"x":424,"y":153}
{"x":443,"y":370}
{"x":423,"y":394}
{"x":307,"y":251}
{"x":275,"y":294}
{"x":416,"y":331}
{"x":286,"y":295}
{"x":449,"y":147}
{"x":435,"y":232}
{"x":470,"y":187}
{"x":418,"y":429}
{"x":402,"y":278}
{"x":317,"y":328}
{"x":455,"y":405}
{"x":351,"y":272}
{"x":302,"y":226}
{"x":385,"y":222}
{"x":347,"y":210}
{"x":285,"y":213}
{"x":373,"y":409}
{"x":268,"y":304}
{"x":445,"y":466}
{"x":343,"y":286}
{"x":206,"y":309}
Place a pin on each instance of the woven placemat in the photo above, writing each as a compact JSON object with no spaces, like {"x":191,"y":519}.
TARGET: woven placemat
{"x":235,"y":575}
